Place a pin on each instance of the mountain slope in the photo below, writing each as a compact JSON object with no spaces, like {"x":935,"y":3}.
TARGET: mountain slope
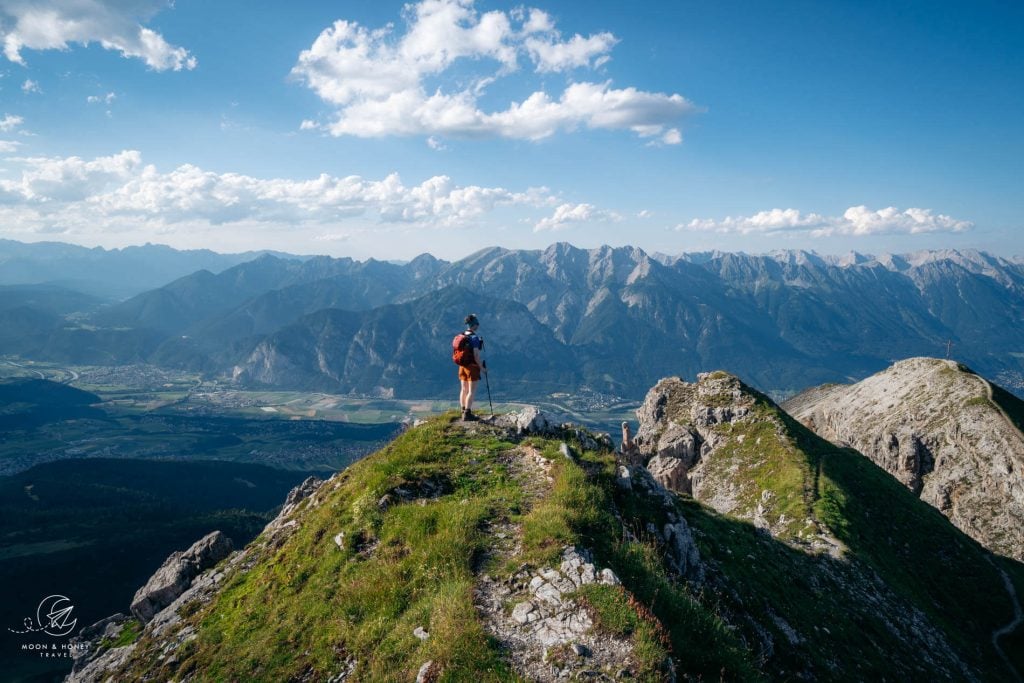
{"x":938,"y":428}
{"x":883,"y":569}
{"x":440,"y":534}
{"x":524,"y":551}
{"x":175,"y":307}
{"x":363,"y":286}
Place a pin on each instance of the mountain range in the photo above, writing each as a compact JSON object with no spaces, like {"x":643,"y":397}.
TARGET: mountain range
{"x":557,"y":318}
{"x":107,"y":273}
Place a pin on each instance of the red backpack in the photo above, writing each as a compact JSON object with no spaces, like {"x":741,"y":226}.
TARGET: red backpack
{"x":462,"y":350}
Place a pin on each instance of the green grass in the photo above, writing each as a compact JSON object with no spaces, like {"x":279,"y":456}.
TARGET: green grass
{"x":771,"y":607}
{"x":366,"y":604}
{"x":616,"y":612}
{"x":128,"y":635}
{"x":307,"y":605}
{"x":978,"y":401}
{"x":898,"y":535}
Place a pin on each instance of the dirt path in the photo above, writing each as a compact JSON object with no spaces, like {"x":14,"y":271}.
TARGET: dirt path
{"x":1018,"y":616}
{"x":531,"y":470}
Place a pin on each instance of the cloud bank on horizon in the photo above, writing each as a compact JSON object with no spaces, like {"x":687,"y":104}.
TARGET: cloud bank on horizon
{"x":72,"y":196}
{"x":450,"y":77}
{"x":857,"y":221}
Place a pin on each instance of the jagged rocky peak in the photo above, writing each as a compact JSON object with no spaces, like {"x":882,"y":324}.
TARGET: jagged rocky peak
{"x":674,"y":423}
{"x":676,"y":415}
{"x":944,"y":432}
{"x":730,"y":447}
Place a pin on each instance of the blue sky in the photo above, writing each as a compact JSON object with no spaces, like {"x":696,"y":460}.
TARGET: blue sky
{"x":449,"y":125}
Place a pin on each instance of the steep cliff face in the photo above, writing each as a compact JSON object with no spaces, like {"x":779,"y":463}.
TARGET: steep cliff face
{"x":525,"y":550}
{"x":941,"y":430}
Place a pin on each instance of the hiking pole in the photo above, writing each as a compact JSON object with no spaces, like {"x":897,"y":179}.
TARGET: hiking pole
{"x":487,"y":381}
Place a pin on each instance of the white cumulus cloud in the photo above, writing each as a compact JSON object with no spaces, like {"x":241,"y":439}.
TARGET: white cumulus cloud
{"x":386,"y":84}
{"x":31,"y":86}
{"x":855,"y":221}
{"x":9,"y":122}
{"x":567,"y":214}
{"x":114,"y":24}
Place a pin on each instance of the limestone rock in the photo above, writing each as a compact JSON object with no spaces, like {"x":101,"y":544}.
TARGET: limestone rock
{"x":176,"y":574}
{"x":428,"y":673}
{"x":679,"y":442}
{"x":304,"y":490}
{"x":86,"y":645}
{"x":681,"y":550}
{"x":544,"y":616}
{"x":933,"y":425}
{"x":623,"y":479}
{"x":669,"y":472}
{"x":677,"y":426}
{"x":281,"y":526}
{"x":529,"y":420}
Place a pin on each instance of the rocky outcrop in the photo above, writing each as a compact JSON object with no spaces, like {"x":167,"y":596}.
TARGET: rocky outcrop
{"x":184,"y":582}
{"x":176,"y":574}
{"x":677,"y":426}
{"x":933,"y":425}
{"x":282,"y":526}
{"x":715,"y":439}
{"x":528,"y":420}
{"x":673,"y":535}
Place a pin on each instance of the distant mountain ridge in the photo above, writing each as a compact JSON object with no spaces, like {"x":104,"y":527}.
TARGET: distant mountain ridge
{"x":784,"y":321}
{"x":108,"y":273}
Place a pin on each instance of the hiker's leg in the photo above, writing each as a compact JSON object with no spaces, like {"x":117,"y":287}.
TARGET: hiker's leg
{"x":464,"y":393}
{"x":469,"y":395}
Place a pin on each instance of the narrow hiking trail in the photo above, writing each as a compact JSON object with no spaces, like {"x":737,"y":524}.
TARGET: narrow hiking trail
{"x":1018,"y":617}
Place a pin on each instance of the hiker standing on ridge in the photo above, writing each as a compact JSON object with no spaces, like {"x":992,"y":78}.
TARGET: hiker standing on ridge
{"x":466,"y":350}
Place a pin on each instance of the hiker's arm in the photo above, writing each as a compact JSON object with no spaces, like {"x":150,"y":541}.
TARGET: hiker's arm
{"x":479,"y":360}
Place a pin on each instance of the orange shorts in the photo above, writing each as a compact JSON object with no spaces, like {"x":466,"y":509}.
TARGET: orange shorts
{"x":469,"y":373}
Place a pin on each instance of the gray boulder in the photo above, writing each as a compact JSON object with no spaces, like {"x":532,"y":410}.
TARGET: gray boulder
{"x":529,"y":420}
{"x":175,"y":575}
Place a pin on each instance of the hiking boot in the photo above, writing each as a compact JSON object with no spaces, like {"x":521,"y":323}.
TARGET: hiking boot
{"x":468,"y":416}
